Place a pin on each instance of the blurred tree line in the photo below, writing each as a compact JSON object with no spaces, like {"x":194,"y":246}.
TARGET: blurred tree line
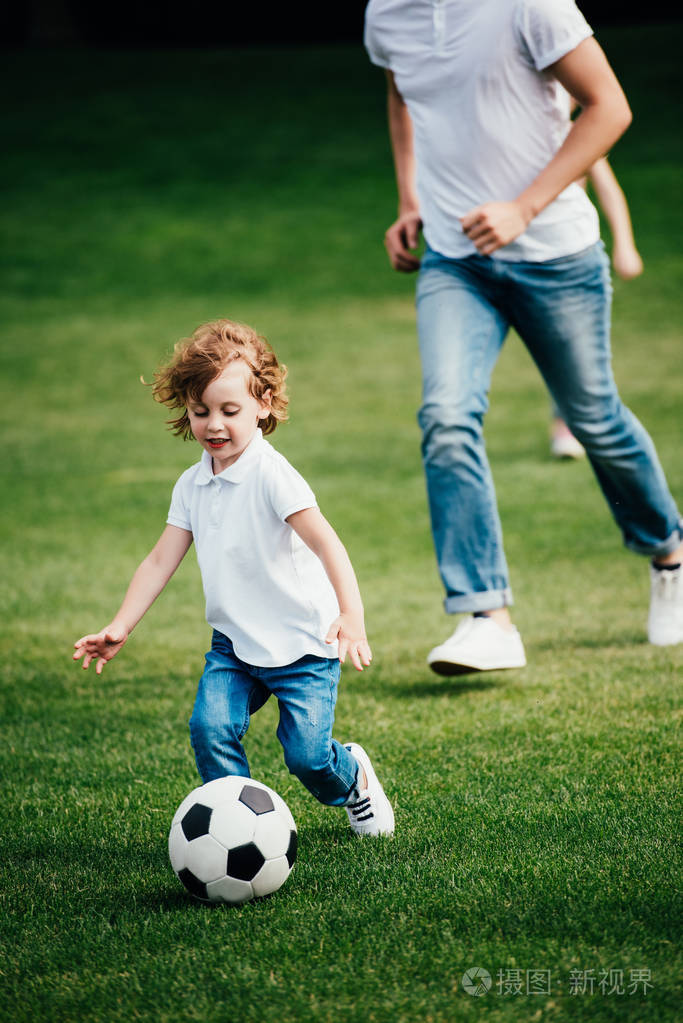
{"x":153,"y":23}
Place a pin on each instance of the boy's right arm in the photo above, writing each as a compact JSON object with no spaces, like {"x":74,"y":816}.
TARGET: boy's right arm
{"x":150,"y":578}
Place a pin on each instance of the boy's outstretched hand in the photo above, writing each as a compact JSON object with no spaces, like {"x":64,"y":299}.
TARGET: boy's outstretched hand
{"x":100,"y":646}
{"x":352,"y":641}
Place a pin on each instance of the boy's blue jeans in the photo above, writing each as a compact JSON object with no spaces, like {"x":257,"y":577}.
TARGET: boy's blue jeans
{"x":230,"y":691}
{"x":561,"y":310}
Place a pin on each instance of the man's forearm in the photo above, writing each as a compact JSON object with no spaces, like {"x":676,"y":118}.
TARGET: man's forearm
{"x":592,"y":134}
{"x":604,"y":117}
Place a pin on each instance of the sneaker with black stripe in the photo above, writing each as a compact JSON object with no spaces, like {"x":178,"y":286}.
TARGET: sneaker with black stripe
{"x":665,"y":622}
{"x":370,"y":813}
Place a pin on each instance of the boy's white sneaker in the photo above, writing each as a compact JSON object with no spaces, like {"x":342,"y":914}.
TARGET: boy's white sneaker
{"x":371,"y":812}
{"x":665,"y":622}
{"x":478,"y":644}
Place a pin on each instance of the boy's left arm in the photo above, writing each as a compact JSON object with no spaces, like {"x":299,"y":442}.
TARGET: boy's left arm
{"x":349,"y":628}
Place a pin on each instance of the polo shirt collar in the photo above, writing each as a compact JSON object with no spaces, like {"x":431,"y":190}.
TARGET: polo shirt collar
{"x":236,"y":472}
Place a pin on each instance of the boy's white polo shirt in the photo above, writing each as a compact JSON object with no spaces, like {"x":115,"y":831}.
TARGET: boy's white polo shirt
{"x":264,"y":588}
{"x":487,"y":116}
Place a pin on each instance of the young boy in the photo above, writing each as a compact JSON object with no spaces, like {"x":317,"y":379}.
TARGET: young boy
{"x":274,"y":572}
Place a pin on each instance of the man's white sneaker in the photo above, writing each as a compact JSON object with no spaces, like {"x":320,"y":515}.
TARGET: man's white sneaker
{"x":478,"y":644}
{"x":665,"y":622}
{"x":371,"y":812}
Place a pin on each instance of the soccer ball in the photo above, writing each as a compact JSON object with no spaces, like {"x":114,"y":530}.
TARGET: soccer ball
{"x":231,"y":840}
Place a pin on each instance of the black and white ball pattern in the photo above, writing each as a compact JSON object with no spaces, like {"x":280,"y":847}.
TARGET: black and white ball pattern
{"x":231,"y":840}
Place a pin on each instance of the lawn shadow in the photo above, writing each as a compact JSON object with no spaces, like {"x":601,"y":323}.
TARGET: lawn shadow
{"x":169,"y":899}
{"x":621,"y":640}
{"x":445,"y":685}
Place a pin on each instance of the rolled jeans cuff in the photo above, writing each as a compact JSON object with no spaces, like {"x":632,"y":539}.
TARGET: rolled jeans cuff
{"x":673,"y":541}
{"x":491,"y":600}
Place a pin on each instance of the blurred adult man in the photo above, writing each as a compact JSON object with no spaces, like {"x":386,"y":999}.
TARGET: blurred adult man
{"x":486,"y":161}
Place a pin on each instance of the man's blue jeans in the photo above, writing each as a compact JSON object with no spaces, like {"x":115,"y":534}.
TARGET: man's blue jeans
{"x":230,"y":691}
{"x":561,"y":310}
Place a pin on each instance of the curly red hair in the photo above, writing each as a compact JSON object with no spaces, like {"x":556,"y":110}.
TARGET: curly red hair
{"x":201,"y":358}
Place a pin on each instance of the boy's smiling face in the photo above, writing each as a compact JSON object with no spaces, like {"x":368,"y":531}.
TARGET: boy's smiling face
{"x":226,"y":418}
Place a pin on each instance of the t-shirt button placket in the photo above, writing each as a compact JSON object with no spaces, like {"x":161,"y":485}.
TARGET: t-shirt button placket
{"x":215,"y":512}
{"x":439,"y":23}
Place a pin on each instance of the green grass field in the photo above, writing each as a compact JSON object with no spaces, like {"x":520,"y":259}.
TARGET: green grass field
{"x":536,"y":810}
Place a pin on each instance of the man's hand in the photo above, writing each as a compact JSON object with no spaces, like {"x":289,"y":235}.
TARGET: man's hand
{"x":400,"y":238}
{"x":494,"y":224}
{"x":100,"y":646}
{"x":352,"y":640}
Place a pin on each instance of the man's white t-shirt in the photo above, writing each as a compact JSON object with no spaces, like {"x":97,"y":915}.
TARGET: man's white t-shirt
{"x":487,"y":116}
{"x":265,"y":589}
